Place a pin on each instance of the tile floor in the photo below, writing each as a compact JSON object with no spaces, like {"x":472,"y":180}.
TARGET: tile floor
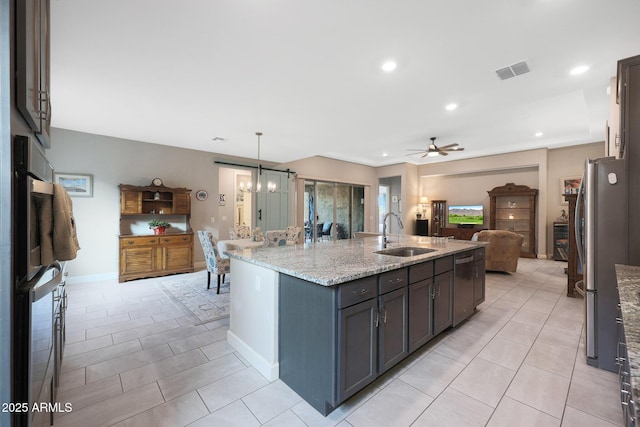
{"x":135,"y":358}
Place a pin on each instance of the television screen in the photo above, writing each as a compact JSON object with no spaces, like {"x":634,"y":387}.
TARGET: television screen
{"x":466,"y":214}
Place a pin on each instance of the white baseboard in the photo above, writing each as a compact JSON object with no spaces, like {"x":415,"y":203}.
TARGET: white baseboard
{"x":270,"y":371}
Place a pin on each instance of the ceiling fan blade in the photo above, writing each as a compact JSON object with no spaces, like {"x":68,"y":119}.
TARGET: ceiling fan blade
{"x":444,"y":147}
{"x":443,"y":153}
{"x":456,"y":149}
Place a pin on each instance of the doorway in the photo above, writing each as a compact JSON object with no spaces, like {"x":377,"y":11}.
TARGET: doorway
{"x":332,"y":211}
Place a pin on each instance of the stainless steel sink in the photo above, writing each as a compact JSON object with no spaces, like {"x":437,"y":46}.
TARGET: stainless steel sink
{"x":406,"y":251}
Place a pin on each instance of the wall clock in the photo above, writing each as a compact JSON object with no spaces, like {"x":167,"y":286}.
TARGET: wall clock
{"x":157,"y":182}
{"x":201,"y":195}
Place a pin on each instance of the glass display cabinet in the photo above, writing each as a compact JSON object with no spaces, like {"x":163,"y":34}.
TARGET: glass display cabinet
{"x":513,"y":208}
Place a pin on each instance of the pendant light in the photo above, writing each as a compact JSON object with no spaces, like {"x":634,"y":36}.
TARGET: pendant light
{"x":271,"y":186}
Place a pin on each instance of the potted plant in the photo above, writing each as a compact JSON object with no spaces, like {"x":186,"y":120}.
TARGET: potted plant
{"x":158,"y":226}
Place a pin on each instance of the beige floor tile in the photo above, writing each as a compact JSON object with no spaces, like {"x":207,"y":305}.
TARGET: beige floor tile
{"x":519,"y":332}
{"x":596,"y":396}
{"x":540,"y":389}
{"x":143,"y":331}
{"x":504,"y":352}
{"x":96,"y":323}
{"x":90,"y":394}
{"x":151,"y":372}
{"x":113,"y":410}
{"x":127,"y":362}
{"x":271,"y":400}
{"x":233,"y":415}
{"x":460,"y":346}
{"x":484,"y":381}
{"x":397,"y":404}
{"x":71,"y":349}
{"x":199,"y":376}
{"x":171,"y":335}
{"x":178,"y":412}
{"x":576,"y":418}
{"x":217,"y":349}
{"x":559,"y":337}
{"x":236,"y":386}
{"x":432,"y":374}
{"x":70,"y":363}
{"x":531,"y":318}
{"x":287,"y":418}
{"x":511,"y":413}
{"x":197,"y":340}
{"x":551,"y":358}
{"x":113,"y":328}
{"x":72,"y":379}
{"x":445,"y":411}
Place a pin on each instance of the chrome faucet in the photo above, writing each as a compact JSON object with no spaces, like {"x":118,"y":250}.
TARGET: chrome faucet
{"x":384,"y":226}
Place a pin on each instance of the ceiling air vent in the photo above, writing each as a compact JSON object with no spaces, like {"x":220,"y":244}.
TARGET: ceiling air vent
{"x":513,"y":70}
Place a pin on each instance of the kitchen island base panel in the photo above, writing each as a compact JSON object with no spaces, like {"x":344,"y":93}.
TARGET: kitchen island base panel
{"x":253,"y":320}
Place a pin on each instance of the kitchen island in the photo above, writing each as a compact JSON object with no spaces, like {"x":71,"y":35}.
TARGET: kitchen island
{"x":328,"y":318}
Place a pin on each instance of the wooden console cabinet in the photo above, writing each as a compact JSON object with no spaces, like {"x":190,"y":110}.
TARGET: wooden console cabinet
{"x":574,"y":268}
{"x":513,"y":208}
{"x":143,"y":254}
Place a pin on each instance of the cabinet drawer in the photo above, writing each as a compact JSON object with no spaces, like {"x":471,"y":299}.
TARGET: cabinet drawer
{"x":420,"y":272}
{"x":357,"y":291}
{"x":182,"y":238}
{"x":392,"y":280}
{"x":443,"y":264}
{"x":127,"y":242}
{"x":478,"y":253}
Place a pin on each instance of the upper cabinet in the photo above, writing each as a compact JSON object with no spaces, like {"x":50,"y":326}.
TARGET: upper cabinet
{"x":32,"y":66}
{"x":513,"y":208}
{"x":150,"y":200}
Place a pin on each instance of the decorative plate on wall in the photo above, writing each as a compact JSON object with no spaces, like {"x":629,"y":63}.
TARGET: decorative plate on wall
{"x":201,"y":195}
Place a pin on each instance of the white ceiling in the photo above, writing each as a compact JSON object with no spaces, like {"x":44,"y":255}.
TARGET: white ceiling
{"x":307,"y":74}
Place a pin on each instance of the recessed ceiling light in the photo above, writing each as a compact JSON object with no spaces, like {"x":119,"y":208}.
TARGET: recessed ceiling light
{"x":384,"y":154}
{"x":451,"y":107}
{"x":389,"y":66}
{"x":579,"y":70}
{"x":539,"y":134}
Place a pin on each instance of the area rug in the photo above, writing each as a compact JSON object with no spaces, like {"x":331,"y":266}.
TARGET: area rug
{"x":191,"y":291}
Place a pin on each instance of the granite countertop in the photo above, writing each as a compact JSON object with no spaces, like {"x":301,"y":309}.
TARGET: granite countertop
{"x":629,"y":289}
{"x":332,"y":263}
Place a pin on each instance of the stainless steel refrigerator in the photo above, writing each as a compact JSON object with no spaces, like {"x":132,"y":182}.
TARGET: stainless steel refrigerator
{"x":602,"y":242}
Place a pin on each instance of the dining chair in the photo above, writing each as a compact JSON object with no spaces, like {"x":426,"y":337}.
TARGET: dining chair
{"x":215,"y":264}
{"x":275,"y":238}
{"x":239,"y":232}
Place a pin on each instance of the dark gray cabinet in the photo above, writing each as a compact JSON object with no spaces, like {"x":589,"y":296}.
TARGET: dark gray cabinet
{"x":392,"y":331}
{"x":32,"y":66}
{"x":357,"y":347}
{"x":442,"y":295}
{"x":334,"y":340}
{"x":420,"y":305}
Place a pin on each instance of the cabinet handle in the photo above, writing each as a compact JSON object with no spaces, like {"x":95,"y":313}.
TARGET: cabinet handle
{"x":361,"y":292}
{"x":152,"y":241}
{"x":398,"y":280}
{"x":384,"y":316}
{"x":131,"y":242}
{"x":166,"y":240}
{"x":184,"y":239}
{"x":377,"y":318}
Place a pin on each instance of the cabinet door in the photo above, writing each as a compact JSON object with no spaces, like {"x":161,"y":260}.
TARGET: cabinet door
{"x":137,"y":259}
{"x":420,"y":314}
{"x":393,"y":328}
{"x":130,"y":202}
{"x":442,"y":293}
{"x":181,"y":204}
{"x":357,"y":347}
{"x":176,"y":256}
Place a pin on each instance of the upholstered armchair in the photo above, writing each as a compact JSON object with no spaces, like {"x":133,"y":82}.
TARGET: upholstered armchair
{"x":239,"y":232}
{"x":215,"y":263}
{"x":503,"y":250}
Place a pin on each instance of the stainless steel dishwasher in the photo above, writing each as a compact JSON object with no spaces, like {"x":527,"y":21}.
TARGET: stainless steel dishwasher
{"x":462,"y":287}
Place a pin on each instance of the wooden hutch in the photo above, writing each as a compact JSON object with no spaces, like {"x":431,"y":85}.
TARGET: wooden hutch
{"x":513,"y":208}
{"x":144,"y":254}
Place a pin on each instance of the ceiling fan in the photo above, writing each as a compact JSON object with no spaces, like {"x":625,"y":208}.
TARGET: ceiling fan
{"x":434,"y":150}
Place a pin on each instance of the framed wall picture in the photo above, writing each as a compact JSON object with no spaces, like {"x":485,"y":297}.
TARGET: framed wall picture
{"x":77,"y":185}
{"x":569,"y":185}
